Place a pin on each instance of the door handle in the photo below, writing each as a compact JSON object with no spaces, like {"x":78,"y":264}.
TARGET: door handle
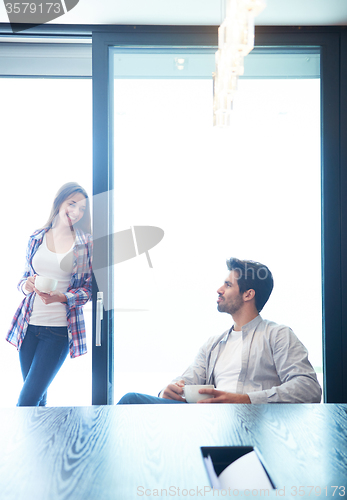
{"x":99,"y":317}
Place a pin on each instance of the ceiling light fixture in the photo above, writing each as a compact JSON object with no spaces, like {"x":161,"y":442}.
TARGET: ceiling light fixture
{"x":235,"y":41}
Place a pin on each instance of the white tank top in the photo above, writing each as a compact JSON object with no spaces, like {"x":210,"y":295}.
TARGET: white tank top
{"x":47,"y":263}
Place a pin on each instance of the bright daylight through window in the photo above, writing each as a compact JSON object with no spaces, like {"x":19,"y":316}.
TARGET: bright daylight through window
{"x":251,"y":191}
{"x":46,"y":131}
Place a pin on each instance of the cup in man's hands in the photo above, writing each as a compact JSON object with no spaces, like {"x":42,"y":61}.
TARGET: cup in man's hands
{"x":45,"y":285}
{"x":192,"y":395}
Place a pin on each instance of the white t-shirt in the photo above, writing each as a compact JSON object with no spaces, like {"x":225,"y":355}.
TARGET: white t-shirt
{"x":228,"y":365}
{"x":47,"y":263}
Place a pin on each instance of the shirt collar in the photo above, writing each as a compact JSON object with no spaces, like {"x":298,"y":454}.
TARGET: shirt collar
{"x":252,"y":325}
{"x":39,"y":234}
{"x":79,"y":237}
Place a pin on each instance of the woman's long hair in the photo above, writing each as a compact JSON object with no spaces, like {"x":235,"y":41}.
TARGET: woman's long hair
{"x":63,"y":194}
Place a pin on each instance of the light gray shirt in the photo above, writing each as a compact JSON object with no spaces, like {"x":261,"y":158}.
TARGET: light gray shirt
{"x":274,"y":369}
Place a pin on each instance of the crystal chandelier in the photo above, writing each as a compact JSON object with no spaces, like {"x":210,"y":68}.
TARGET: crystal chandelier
{"x":235,"y":41}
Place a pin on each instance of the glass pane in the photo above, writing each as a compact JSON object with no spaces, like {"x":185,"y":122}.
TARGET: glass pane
{"x":46,"y":131}
{"x":250,"y":191}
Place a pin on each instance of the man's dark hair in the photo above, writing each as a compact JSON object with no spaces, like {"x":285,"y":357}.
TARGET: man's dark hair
{"x":253,"y":275}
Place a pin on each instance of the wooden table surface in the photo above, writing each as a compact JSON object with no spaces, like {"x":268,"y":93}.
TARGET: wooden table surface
{"x":133,"y":452}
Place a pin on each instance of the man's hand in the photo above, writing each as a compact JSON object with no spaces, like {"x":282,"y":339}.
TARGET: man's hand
{"x":224,"y":397}
{"x":174,"y":391}
{"x":51,"y":297}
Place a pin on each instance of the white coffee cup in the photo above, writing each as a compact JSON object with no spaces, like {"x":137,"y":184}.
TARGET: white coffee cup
{"x":192,"y":395}
{"x":45,"y":285}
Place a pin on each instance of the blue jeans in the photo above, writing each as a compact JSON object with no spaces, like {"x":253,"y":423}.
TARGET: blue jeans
{"x":134,"y":398}
{"x":41,"y":355}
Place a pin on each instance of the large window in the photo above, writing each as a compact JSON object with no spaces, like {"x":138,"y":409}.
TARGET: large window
{"x":46,"y":140}
{"x":250,"y":191}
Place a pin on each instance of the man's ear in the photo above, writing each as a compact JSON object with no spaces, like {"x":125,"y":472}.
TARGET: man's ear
{"x":248,"y":294}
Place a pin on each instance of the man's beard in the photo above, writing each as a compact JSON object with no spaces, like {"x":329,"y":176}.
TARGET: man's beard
{"x":232,"y":308}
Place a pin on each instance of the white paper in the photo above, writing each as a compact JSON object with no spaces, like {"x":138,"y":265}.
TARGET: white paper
{"x":246,"y":472}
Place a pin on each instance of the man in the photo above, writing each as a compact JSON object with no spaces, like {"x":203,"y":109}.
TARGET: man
{"x":256,"y":361}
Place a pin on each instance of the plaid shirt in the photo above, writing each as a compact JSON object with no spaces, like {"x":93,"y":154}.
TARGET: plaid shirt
{"x":78,"y":293}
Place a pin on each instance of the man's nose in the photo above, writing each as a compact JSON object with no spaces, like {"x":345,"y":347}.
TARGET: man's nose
{"x":220,"y":291}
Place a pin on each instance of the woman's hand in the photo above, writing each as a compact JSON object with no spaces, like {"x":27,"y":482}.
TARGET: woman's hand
{"x":51,"y":297}
{"x":29,"y":285}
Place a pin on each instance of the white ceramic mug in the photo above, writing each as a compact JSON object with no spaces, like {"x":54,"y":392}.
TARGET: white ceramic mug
{"x":45,"y":285}
{"x":192,"y":395}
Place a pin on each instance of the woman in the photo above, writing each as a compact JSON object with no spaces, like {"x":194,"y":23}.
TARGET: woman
{"x":47,"y":325}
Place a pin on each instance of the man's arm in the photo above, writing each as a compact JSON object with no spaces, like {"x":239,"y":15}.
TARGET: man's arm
{"x":299,"y":382}
{"x":195,"y":374}
{"x":224,"y":397}
{"x":173,"y":391}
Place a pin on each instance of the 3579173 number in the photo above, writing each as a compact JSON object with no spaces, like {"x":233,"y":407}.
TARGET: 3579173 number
{"x":33,"y":8}
{"x":316,"y":491}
